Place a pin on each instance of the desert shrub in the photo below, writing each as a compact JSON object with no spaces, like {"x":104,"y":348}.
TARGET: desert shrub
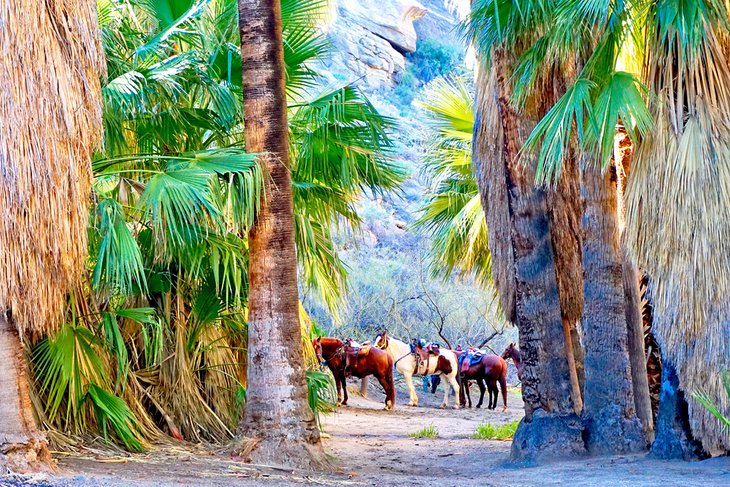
{"x":432,"y":58}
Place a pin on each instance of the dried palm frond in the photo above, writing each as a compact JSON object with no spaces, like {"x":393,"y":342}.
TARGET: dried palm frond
{"x":678,"y":217}
{"x":50,"y":64}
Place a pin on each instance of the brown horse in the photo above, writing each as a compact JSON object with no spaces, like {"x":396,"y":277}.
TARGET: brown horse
{"x":369,"y":360}
{"x":490,"y":370}
{"x":512,"y":352}
{"x":331,"y":352}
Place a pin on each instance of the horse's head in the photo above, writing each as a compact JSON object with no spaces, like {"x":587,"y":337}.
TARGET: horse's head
{"x":509,"y":351}
{"x":317,"y":345}
{"x":381,"y":340}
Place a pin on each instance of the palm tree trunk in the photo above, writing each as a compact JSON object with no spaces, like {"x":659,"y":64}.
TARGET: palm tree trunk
{"x":22,"y":447}
{"x":529,"y":281}
{"x":51,"y":112}
{"x":623,"y":153}
{"x":277,"y":416}
{"x":609,"y":408}
{"x":637,"y":352}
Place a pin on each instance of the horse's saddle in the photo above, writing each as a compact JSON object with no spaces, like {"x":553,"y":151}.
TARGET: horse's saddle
{"x":469,"y":358}
{"x":423,"y":354}
{"x":363,"y":351}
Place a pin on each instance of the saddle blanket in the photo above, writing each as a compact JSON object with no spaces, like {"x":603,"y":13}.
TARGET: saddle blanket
{"x":473,"y":357}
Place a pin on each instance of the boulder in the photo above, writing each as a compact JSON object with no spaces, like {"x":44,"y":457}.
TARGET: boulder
{"x":370,"y":39}
{"x":391,"y":20}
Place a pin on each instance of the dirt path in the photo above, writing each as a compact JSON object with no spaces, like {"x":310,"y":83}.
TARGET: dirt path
{"x":372,"y":448}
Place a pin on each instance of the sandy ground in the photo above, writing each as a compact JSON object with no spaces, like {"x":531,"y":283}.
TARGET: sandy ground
{"x":372,"y":448}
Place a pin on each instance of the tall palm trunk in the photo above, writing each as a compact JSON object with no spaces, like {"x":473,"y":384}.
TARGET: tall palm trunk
{"x":277,"y":417}
{"x":611,"y":423}
{"x":50,"y":107}
{"x":623,"y":152}
{"x":525,"y":273}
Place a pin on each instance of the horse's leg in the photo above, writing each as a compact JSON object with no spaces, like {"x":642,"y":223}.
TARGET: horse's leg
{"x":386,"y":380}
{"x":480,"y":383}
{"x":386,"y":387}
{"x":343,"y":381}
{"x":467,"y":401}
{"x":503,"y":384}
{"x":446,"y":397}
{"x":452,"y":380}
{"x":408,"y":375}
{"x":338,"y":384}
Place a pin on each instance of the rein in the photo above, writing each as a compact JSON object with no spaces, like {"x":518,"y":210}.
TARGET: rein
{"x":339,"y":352}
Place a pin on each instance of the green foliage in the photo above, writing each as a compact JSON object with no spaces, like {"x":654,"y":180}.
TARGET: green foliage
{"x":453,"y":215}
{"x":707,"y":403}
{"x":321,"y":394}
{"x":432,"y":59}
{"x":488,"y":431}
{"x":163,"y":328}
{"x":429,"y":431}
{"x":601,"y":95}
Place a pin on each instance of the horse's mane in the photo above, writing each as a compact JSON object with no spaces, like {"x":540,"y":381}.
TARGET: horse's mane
{"x":331,"y":342}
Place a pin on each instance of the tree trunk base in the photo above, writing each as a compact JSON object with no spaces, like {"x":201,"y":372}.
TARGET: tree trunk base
{"x":282,"y":452}
{"x":23,"y":448}
{"x":547,"y":437}
{"x":674,"y":438}
{"x":25,"y":455}
{"x":611,"y":433}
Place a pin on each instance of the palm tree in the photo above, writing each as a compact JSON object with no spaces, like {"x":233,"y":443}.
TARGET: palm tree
{"x":51,"y":124}
{"x":277,"y":416}
{"x":154,"y":342}
{"x":610,"y":411}
{"x":681,"y":47}
{"x":534,"y":293}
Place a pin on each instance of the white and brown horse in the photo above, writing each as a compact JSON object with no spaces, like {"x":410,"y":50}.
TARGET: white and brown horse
{"x":408,"y":363}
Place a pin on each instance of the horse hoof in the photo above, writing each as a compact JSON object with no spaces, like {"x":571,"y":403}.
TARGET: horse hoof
{"x":504,"y":409}
{"x":443,"y":406}
{"x":479,"y":406}
{"x":456,"y":406}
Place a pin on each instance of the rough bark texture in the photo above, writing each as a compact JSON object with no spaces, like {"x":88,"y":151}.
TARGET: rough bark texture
{"x":489,"y":164}
{"x":612,"y":425}
{"x":637,"y":352}
{"x":623,"y":152}
{"x":550,"y":428}
{"x":565,"y":210}
{"x":277,"y":422}
{"x":674,"y":438}
{"x":22,"y":447}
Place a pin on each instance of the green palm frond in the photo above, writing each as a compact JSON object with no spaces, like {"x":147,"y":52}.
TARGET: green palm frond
{"x":119,"y":264}
{"x":453,"y":214}
{"x":112,"y":409}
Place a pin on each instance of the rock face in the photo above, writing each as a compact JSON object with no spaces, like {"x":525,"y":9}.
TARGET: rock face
{"x":371,"y":38}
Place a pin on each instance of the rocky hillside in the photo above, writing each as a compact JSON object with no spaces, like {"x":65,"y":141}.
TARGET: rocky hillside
{"x":390,"y":49}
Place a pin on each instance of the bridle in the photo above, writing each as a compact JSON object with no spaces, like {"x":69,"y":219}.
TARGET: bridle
{"x":324,"y":362}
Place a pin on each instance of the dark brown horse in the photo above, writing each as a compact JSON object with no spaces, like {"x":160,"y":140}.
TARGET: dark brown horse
{"x":331,"y":352}
{"x":512,"y":352}
{"x":369,"y":360}
{"x":490,"y":370}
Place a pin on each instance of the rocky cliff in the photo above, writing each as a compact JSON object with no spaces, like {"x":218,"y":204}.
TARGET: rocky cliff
{"x":371,"y":38}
